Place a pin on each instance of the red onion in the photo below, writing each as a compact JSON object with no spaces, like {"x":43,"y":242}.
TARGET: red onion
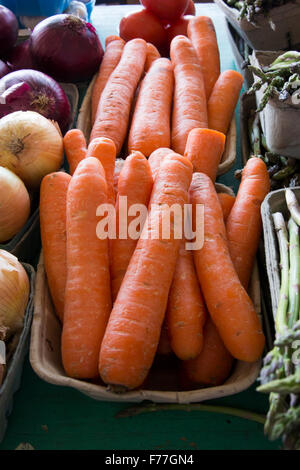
{"x":20,"y":57}
{"x":4,"y":69}
{"x":9,"y":28}
{"x":30,"y":90}
{"x":66,"y":48}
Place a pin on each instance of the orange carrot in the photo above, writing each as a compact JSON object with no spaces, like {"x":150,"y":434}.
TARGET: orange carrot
{"x":113,"y":112}
{"x":204,"y":148}
{"x":213,"y":365}
{"x":244,"y":225}
{"x":189,"y":103}
{"x":156,"y":158}
{"x":201,"y":32}
{"x":75,"y":148}
{"x":133,"y":331}
{"x":53,"y":201}
{"x":226,"y":201}
{"x":88,"y":295}
{"x":186,"y":312}
{"x":135,"y":183}
{"x":152,"y":55}
{"x":223,"y":100}
{"x":150,"y":127}
{"x":227,"y":301}
{"x":114,"y":46}
{"x":104,"y":150}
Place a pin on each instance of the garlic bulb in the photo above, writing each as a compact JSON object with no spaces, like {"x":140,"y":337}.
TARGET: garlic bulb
{"x":14,"y":295}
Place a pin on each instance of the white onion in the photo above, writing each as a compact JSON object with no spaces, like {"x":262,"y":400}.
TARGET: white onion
{"x":14,"y":294}
{"x":30,"y":145}
{"x":14,"y":204}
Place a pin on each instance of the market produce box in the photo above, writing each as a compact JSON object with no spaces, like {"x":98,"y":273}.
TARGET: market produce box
{"x":163,"y":383}
{"x":274,"y":202}
{"x":280,"y":115}
{"x":282,"y":32}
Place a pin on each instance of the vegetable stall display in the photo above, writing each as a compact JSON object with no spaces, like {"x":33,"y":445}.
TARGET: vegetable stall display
{"x":160,"y":114}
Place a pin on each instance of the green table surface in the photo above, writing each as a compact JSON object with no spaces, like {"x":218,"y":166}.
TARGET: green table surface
{"x":59,"y":418}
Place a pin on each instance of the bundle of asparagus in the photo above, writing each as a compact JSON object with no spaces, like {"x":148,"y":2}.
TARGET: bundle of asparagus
{"x":281,"y":79}
{"x":249,"y":9}
{"x":280,"y":374}
{"x":283,"y":171}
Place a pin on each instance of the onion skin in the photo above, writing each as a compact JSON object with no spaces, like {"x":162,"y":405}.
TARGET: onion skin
{"x":14,"y":295}
{"x":9,"y":28}
{"x":19,"y":57}
{"x":31,"y":146}
{"x":4,"y":69}
{"x":66,"y":48}
{"x":42,"y":95}
{"x":14,"y":204}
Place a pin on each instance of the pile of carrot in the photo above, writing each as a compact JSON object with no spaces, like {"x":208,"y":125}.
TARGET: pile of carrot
{"x":124,"y":302}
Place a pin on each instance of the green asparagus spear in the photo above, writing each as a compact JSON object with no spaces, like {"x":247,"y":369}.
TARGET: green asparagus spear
{"x":281,"y":315}
{"x":285,"y":60}
{"x":293,"y":205}
{"x":294,"y":276}
{"x":284,"y":173}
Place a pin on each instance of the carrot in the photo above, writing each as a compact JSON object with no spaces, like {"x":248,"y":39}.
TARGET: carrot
{"x":88,"y":295}
{"x":204,"y":148}
{"x":114,"y":46}
{"x":244,"y":224}
{"x":189,"y":102}
{"x":226,"y":201}
{"x":223,"y":100}
{"x":150,"y":126}
{"x":104,"y":150}
{"x":135,"y":183}
{"x":53,"y":200}
{"x":75,"y":148}
{"x":114,"y":107}
{"x":152,"y":55}
{"x":227,"y":301}
{"x":156,"y":158}
{"x":201,"y":32}
{"x":186,"y":312}
{"x":133,"y":331}
{"x":213,"y":365}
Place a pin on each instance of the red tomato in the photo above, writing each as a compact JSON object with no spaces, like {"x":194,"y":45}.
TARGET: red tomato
{"x":168,"y":10}
{"x":191,"y":9}
{"x":143,"y":24}
{"x":178,"y":28}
